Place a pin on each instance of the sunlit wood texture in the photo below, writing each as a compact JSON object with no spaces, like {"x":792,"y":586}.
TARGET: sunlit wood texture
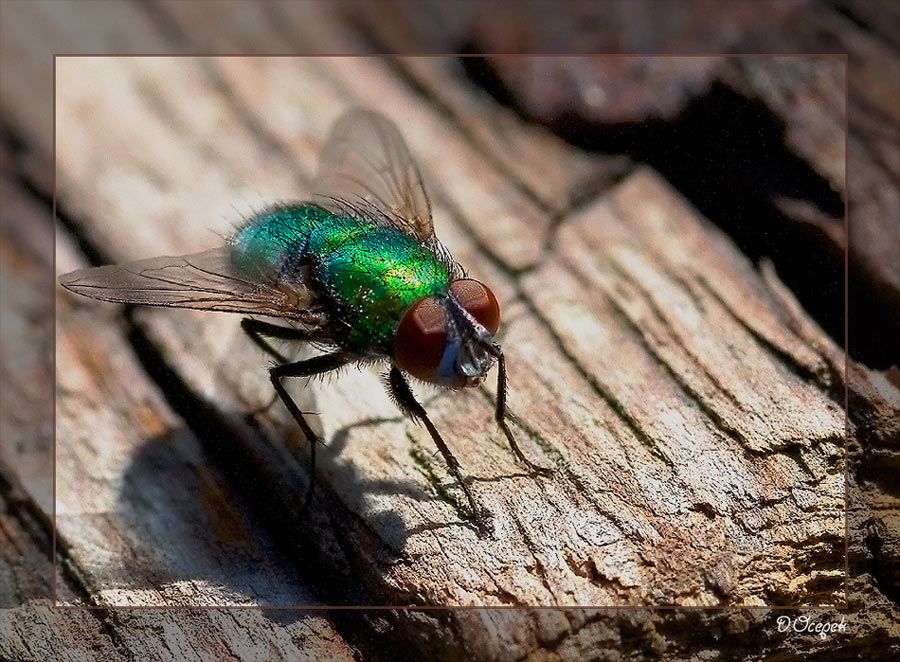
{"x":698,"y":450}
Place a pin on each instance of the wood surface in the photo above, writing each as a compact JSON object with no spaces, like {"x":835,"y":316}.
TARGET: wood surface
{"x":697,"y":451}
{"x":692,"y":410}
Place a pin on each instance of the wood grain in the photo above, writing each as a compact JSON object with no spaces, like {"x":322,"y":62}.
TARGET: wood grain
{"x":225,"y":131}
{"x":697,"y":450}
{"x":128,"y":458}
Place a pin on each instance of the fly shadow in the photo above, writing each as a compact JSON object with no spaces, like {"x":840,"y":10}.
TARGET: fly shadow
{"x":220,"y":506}
{"x":220,"y":502}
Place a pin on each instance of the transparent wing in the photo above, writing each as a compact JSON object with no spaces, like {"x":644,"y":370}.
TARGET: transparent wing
{"x":366,"y":165}
{"x":203,"y":281}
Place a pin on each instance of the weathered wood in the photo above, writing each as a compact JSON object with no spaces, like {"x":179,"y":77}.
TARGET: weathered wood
{"x":556,"y":176}
{"x":668,"y":498}
{"x":33,"y":629}
{"x":123,"y":526}
{"x":809,"y":93}
{"x":26,"y":611}
{"x":813,"y":109}
{"x":26,"y":343}
{"x":590,"y":99}
{"x":198,"y":549}
{"x":472,"y":634}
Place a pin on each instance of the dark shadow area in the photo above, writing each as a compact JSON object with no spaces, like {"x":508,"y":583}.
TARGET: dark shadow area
{"x":186,"y":523}
{"x":727,"y":155}
{"x":193,"y":515}
{"x":266,"y":484}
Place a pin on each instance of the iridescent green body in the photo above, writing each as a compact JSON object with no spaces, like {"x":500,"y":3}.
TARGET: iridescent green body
{"x":368,"y":274}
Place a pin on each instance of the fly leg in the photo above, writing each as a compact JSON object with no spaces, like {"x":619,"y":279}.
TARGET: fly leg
{"x":258,"y":331}
{"x":500,"y":415}
{"x":408,"y":404}
{"x":308,"y":368}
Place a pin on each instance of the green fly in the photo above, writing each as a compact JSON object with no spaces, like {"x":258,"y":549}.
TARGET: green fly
{"x":357,"y":272}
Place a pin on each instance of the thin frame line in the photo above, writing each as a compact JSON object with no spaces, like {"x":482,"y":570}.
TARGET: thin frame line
{"x":846,"y":606}
{"x":453,"y":55}
{"x":53,"y":362}
{"x":846,"y":333}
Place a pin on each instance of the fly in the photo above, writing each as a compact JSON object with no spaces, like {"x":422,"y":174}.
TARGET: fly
{"x":357,"y":271}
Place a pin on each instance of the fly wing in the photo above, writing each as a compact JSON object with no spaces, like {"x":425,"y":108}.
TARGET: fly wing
{"x":203,"y":281}
{"x":366,"y":166}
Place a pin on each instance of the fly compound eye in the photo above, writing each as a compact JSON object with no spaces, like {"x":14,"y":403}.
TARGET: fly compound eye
{"x":421,"y":338}
{"x":479,"y":302}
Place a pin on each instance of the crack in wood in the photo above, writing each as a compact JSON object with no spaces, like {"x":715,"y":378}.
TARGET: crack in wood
{"x":802,"y":371}
{"x":599,"y":388}
{"x":680,"y":343}
{"x":530,"y":546}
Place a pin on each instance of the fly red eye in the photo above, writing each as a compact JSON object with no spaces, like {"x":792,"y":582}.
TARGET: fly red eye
{"x":479,"y":301}
{"x":421,"y":337}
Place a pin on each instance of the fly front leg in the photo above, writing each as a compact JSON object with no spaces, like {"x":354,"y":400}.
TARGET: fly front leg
{"x":308,"y":368}
{"x":408,"y":404}
{"x":500,"y":415}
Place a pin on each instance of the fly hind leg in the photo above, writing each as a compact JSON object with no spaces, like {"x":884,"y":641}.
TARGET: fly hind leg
{"x":258,"y":331}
